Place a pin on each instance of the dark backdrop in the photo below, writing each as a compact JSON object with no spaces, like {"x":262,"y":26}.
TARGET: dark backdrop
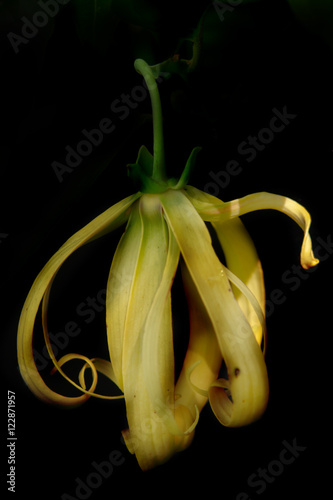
{"x":258,"y":60}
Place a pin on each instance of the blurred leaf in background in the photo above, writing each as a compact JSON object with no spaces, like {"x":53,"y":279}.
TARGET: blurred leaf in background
{"x":316,"y":16}
{"x":95,"y":21}
{"x":24,"y":19}
{"x":147,"y":24}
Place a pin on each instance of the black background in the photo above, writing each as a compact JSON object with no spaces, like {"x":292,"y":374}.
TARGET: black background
{"x":59,"y":84}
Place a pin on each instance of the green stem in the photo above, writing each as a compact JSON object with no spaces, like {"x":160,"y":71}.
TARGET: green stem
{"x":159,"y":161}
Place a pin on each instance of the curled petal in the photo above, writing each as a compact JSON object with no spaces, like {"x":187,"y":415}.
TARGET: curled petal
{"x":247,"y":374}
{"x":261,"y":201}
{"x":243,"y":261}
{"x":198,"y":347}
{"x":96,"y":365}
{"x":107,"y":221}
{"x":102,"y":366}
{"x":70,"y":357}
{"x":188,"y":373}
{"x":261,"y":332}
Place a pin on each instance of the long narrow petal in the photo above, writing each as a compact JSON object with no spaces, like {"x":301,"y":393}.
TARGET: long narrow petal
{"x":158,"y":354}
{"x":107,"y":221}
{"x":241,"y":258}
{"x":247,"y":374}
{"x":262,"y":201}
{"x":148,"y":383}
{"x":119,"y":287}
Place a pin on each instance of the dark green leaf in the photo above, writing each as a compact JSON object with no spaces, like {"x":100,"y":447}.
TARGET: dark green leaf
{"x":316,"y":16}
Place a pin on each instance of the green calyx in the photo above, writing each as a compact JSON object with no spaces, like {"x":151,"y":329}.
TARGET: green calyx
{"x":141,"y":173}
{"x":148,"y":172}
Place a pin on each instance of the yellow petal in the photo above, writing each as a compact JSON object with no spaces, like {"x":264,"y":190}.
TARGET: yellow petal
{"x":148,"y":383}
{"x":102,"y":366}
{"x":203,"y":357}
{"x":262,"y":201}
{"x":158,"y":354}
{"x":256,"y":320}
{"x":119,"y":287}
{"x":70,"y":357}
{"x":107,"y":221}
{"x":248,"y":382}
{"x":242,"y":259}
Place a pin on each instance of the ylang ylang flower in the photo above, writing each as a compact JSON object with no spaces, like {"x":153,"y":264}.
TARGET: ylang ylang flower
{"x":166,"y":227}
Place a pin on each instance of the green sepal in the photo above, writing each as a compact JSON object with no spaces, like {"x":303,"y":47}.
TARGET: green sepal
{"x":141,"y":173}
{"x":146,"y":161}
{"x":185,"y":177}
{"x":143,"y":183}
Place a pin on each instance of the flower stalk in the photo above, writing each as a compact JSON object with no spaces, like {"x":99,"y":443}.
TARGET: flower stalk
{"x":158,"y":174}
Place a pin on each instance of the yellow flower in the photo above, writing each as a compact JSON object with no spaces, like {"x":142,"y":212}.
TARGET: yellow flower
{"x":166,"y":227}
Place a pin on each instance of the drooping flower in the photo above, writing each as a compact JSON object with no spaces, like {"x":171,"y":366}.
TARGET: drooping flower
{"x":166,"y":227}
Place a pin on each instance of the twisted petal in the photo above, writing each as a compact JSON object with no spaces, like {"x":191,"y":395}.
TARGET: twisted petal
{"x":102,"y":366}
{"x":107,"y":221}
{"x":242,"y":259}
{"x":260,"y":201}
{"x":247,"y":376}
{"x":95,"y":365}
